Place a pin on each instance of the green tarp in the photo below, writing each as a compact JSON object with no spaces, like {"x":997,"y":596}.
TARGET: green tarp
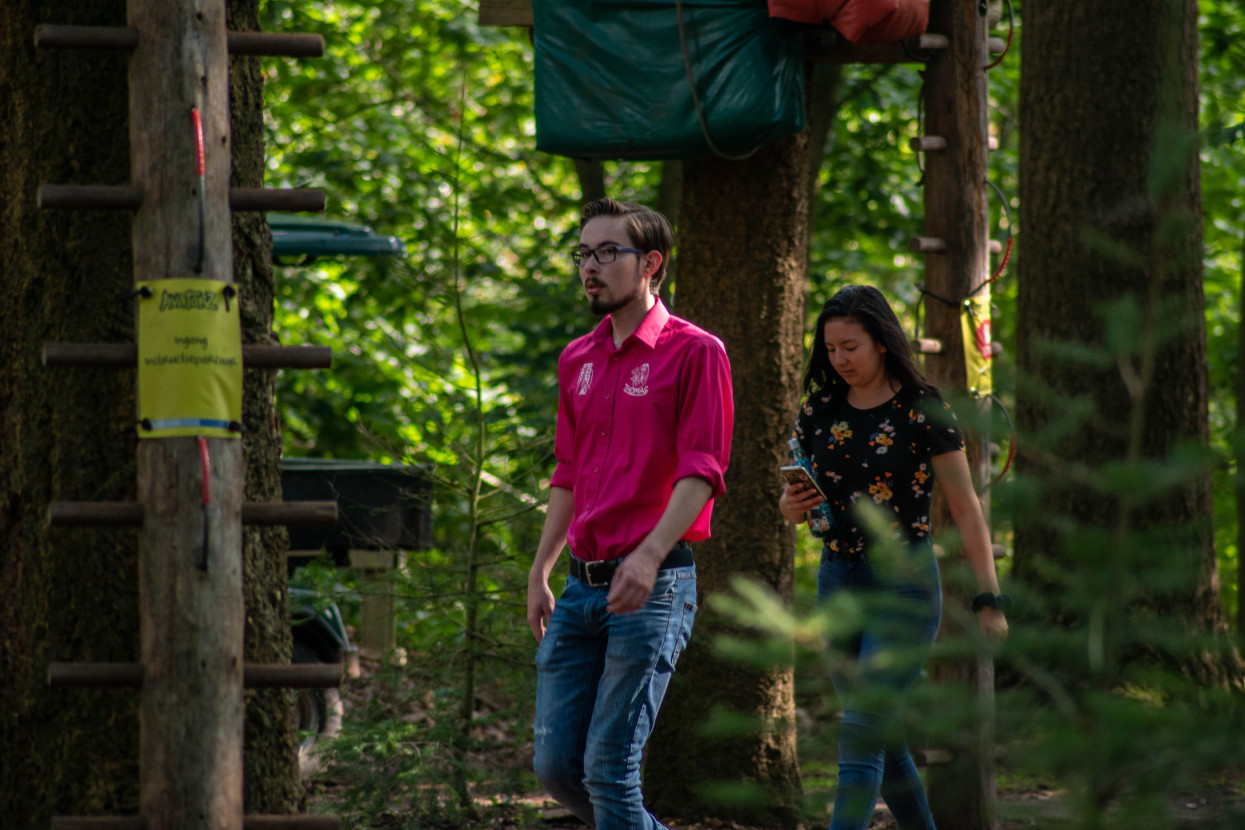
{"x":612,"y":79}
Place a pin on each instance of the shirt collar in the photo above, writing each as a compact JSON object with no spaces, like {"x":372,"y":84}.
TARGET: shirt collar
{"x":647,"y":332}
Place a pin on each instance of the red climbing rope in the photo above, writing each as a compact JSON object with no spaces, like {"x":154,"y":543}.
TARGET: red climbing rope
{"x":205,"y":462}
{"x":1011,"y":29}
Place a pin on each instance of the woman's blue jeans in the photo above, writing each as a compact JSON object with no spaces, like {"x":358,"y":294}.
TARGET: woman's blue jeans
{"x":601,"y":678}
{"x":873,"y":671}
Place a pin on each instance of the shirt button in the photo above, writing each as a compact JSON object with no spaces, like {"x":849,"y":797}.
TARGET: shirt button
{"x":596,"y":469}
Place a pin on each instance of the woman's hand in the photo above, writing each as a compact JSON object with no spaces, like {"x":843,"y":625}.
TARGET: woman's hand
{"x":993,"y":625}
{"x":796,"y":500}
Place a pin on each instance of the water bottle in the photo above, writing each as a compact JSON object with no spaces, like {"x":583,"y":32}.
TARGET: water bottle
{"x":820,"y":522}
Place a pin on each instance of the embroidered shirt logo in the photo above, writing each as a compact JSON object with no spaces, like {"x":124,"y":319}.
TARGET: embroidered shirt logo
{"x":585,"y":379}
{"x":638,"y":386}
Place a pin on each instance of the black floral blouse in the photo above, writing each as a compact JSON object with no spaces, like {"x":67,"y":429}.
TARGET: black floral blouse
{"x":880,"y":454}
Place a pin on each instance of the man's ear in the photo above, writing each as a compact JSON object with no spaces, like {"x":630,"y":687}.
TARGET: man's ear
{"x":652,"y":261}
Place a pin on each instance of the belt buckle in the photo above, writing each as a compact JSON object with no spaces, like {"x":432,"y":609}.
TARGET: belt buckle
{"x":604,"y":568}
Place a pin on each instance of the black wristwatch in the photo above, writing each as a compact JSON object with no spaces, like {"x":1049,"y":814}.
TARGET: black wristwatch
{"x":989,"y":600}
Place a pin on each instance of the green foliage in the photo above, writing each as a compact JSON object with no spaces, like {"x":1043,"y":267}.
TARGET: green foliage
{"x":1222,"y":79}
{"x":417,"y":123}
{"x":869,"y":196}
{"x":397,"y":756}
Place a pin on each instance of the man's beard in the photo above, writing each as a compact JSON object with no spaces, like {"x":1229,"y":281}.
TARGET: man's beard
{"x":602,"y":306}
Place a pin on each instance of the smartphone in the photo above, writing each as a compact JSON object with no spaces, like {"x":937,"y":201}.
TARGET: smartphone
{"x":796,"y":474}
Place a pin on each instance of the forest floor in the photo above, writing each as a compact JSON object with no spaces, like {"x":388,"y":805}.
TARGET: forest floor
{"x":1021,"y":805}
{"x":1218,"y":807}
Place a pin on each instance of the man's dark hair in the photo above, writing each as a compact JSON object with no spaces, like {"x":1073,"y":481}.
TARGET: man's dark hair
{"x":648,"y":230}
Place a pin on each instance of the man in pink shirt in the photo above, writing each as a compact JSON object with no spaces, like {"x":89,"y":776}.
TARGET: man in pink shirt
{"x":645,"y":415}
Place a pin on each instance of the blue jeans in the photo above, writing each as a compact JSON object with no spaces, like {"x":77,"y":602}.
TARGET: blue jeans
{"x":876,"y":668}
{"x":601,"y":678}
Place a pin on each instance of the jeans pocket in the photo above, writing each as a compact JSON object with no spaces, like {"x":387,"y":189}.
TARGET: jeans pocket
{"x":686,"y":620}
{"x":542,"y":650}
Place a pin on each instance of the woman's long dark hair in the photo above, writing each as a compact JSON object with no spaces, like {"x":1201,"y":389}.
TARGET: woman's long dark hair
{"x":866,"y":305}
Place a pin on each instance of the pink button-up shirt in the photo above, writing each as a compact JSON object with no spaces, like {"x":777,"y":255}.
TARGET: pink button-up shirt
{"x":634,"y":420}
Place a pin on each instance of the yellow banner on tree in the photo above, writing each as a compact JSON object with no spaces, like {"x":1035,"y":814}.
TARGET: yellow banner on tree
{"x":975,"y":326}
{"x":189,"y":359}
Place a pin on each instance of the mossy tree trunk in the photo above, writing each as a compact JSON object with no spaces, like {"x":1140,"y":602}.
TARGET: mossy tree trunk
{"x":741,"y":248}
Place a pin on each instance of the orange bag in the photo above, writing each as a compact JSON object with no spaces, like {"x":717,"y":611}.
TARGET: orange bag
{"x":860,"y":21}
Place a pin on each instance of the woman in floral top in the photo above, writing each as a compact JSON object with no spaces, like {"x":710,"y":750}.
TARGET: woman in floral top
{"x":878,"y":435}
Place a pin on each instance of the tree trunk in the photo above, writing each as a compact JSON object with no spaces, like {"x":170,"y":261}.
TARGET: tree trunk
{"x":1119,"y":216}
{"x":190,"y":569}
{"x":741,"y":276}
{"x":961,"y":792}
{"x":591,"y":176}
{"x":66,"y":276}
{"x":825,"y":82}
{"x":65,"y":434}
{"x":271,"y":782}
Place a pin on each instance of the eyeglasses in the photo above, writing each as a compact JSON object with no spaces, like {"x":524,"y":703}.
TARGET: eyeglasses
{"x":604,"y":255}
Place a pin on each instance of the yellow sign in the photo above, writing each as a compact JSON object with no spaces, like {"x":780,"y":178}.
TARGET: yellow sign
{"x":189,"y":359}
{"x":975,"y":326}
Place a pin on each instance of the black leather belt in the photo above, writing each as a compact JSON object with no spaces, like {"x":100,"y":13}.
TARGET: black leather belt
{"x":599,"y":574}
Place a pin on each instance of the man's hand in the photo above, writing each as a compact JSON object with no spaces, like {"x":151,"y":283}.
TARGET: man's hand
{"x":540,"y":604}
{"x":633,"y":581}
{"x":636,"y":575}
{"x":552,"y":539}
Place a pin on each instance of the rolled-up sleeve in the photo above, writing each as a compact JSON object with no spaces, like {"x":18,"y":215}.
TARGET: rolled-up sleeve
{"x":706,"y":415}
{"x":564,"y":438}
